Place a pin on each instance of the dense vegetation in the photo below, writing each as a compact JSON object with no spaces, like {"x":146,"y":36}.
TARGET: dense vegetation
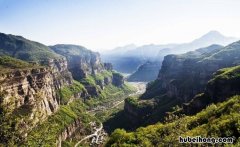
{"x":9,"y":134}
{"x":99,"y":97}
{"x":225,"y":83}
{"x":92,"y":80}
{"x":68,"y":92}
{"x":109,"y":94}
{"x":8,"y":63}
{"x":21,"y":48}
{"x":227,"y":74}
{"x":69,"y":50}
{"x":220,"y":120}
{"x":217,"y":120}
{"x":47,"y":132}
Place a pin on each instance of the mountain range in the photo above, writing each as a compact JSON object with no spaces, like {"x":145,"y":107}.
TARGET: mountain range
{"x":64,"y":95}
{"x":127,"y":59}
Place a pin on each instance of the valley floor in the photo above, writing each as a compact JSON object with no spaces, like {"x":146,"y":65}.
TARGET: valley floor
{"x":104,"y":112}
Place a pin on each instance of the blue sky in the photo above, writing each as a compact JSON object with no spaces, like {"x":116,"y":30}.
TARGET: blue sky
{"x":105,"y":24}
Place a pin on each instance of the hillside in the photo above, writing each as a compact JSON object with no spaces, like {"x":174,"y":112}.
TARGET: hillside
{"x":185,"y":75}
{"x":81,"y":61}
{"x":156,"y":52}
{"x":214,"y":113}
{"x":180,"y":79}
{"x":24,"y":49}
{"x":46,"y":105}
{"x":224,"y":84}
{"x":217,"y":120}
{"x":8,"y":64}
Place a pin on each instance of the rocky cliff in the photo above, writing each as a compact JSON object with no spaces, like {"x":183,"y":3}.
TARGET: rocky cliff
{"x":39,"y":98}
{"x":82,"y":62}
{"x":69,"y":131}
{"x":86,"y":64}
{"x":225,"y":84}
{"x":33,"y":91}
{"x":183,"y":76}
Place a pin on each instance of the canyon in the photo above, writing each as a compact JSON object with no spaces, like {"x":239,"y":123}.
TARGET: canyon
{"x":64,"y":95}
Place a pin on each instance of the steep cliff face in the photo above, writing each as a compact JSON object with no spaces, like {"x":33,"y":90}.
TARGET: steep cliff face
{"x":136,"y":112}
{"x":183,"y":76}
{"x":146,"y":72}
{"x":39,"y":100}
{"x":82,"y":62}
{"x":117,"y":79}
{"x":85,"y":65}
{"x":33,"y":91}
{"x":69,"y":131}
{"x":225,"y":84}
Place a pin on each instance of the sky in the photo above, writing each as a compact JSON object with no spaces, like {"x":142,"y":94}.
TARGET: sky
{"x":106,"y":24}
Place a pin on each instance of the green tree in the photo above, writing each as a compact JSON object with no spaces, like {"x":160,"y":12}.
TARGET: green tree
{"x":9,"y":136}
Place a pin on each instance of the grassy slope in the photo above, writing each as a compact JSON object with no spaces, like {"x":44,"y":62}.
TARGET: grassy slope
{"x":8,"y":64}
{"x":68,"y":50}
{"x":68,"y":92}
{"x":227,"y":74}
{"x":24,"y":49}
{"x":221,"y":120}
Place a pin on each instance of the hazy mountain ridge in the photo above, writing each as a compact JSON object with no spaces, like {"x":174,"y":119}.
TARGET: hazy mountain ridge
{"x":21,"y":48}
{"x":142,"y":74}
{"x":157,"y":52}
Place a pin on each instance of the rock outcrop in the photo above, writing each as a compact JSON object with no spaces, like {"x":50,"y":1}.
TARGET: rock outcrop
{"x":136,"y":112}
{"x":69,"y":131}
{"x":35,"y":90}
{"x":183,"y":76}
{"x":225,"y":84}
{"x":81,"y":61}
{"x":117,"y":79}
{"x":108,"y":66}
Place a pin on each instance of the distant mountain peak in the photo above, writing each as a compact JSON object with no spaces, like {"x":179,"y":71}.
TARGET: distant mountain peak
{"x":213,"y":34}
{"x":214,"y":37}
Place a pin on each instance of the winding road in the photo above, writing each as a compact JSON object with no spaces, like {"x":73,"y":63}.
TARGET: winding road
{"x":140,"y":86}
{"x":96,"y":133}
